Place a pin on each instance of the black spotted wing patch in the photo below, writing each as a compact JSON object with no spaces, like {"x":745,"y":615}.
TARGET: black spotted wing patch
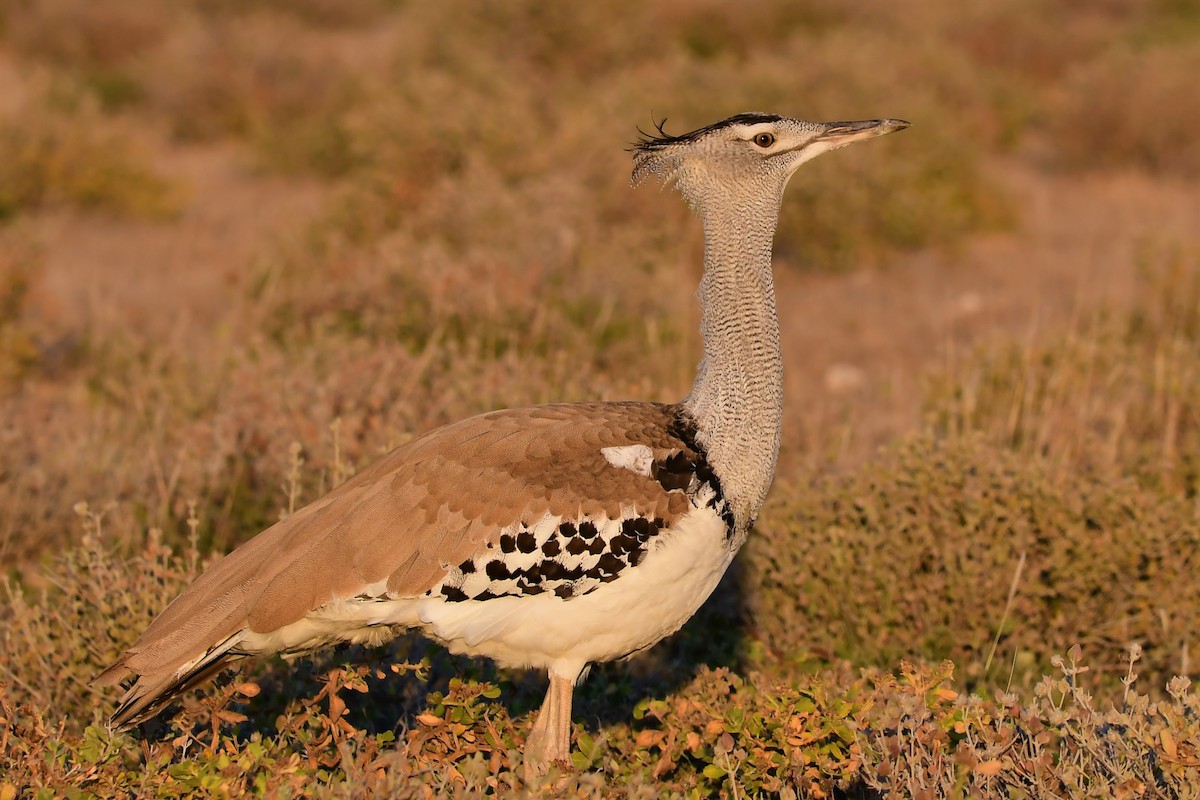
{"x":565,"y":558}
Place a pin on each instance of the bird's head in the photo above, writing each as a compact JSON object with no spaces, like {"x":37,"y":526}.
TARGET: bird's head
{"x":756,"y":152}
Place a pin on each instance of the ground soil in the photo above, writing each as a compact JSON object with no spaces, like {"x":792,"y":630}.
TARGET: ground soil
{"x":858,"y":345}
{"x":173,"y":278}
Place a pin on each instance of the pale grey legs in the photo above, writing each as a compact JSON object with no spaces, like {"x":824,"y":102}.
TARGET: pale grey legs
{"x":550,"y":739}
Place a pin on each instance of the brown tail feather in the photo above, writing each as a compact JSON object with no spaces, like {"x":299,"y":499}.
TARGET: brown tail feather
{"x":151,"y":693}
{"x":113,"y":675}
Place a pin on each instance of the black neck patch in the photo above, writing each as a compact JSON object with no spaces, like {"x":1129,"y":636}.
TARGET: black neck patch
{"x":683,"y":427}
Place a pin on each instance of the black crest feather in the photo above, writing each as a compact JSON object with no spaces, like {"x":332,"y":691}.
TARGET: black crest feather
{"x":650,"y":142}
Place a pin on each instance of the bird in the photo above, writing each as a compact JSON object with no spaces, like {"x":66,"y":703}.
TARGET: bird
{"x":550,"y":537}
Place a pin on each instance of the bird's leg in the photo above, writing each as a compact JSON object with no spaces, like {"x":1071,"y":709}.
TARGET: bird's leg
{"x":550,"y":739}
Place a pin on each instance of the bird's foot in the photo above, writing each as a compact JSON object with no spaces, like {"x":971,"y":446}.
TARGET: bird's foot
{"x":550,"y":740}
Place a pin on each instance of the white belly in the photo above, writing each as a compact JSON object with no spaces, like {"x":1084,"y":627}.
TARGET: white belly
{"x":645,"y":604}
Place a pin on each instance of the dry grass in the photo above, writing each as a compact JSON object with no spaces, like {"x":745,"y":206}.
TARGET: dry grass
{"x":478,"y":247}
{"x":437,"y":238}
{"x":325,"y":729}
{"x":61,"y":151}
{"x":1117,"y":395}
{"x":1147,"y":127}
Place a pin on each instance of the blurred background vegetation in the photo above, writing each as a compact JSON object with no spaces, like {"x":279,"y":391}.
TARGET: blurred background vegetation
{"x":230,"y":226}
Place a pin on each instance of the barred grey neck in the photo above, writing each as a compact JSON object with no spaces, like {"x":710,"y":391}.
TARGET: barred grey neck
{"x":737,"y":399}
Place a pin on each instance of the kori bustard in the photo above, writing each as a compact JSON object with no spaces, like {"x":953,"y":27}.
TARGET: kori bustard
{"x":549,"y":537}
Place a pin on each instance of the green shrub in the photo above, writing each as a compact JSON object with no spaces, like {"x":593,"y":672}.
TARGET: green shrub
{"x":968,"y":552}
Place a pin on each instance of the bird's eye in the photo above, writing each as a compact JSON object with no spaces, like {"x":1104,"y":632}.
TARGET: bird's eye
{"x":764,"y":140}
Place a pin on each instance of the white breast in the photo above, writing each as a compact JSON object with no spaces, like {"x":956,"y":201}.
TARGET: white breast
{"x":645,"y":604}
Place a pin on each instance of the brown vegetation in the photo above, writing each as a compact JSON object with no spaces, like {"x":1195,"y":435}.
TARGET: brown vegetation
{"x":246,"y":247}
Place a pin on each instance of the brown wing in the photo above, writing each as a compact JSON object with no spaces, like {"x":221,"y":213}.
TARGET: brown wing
{"x":427,"y":505}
